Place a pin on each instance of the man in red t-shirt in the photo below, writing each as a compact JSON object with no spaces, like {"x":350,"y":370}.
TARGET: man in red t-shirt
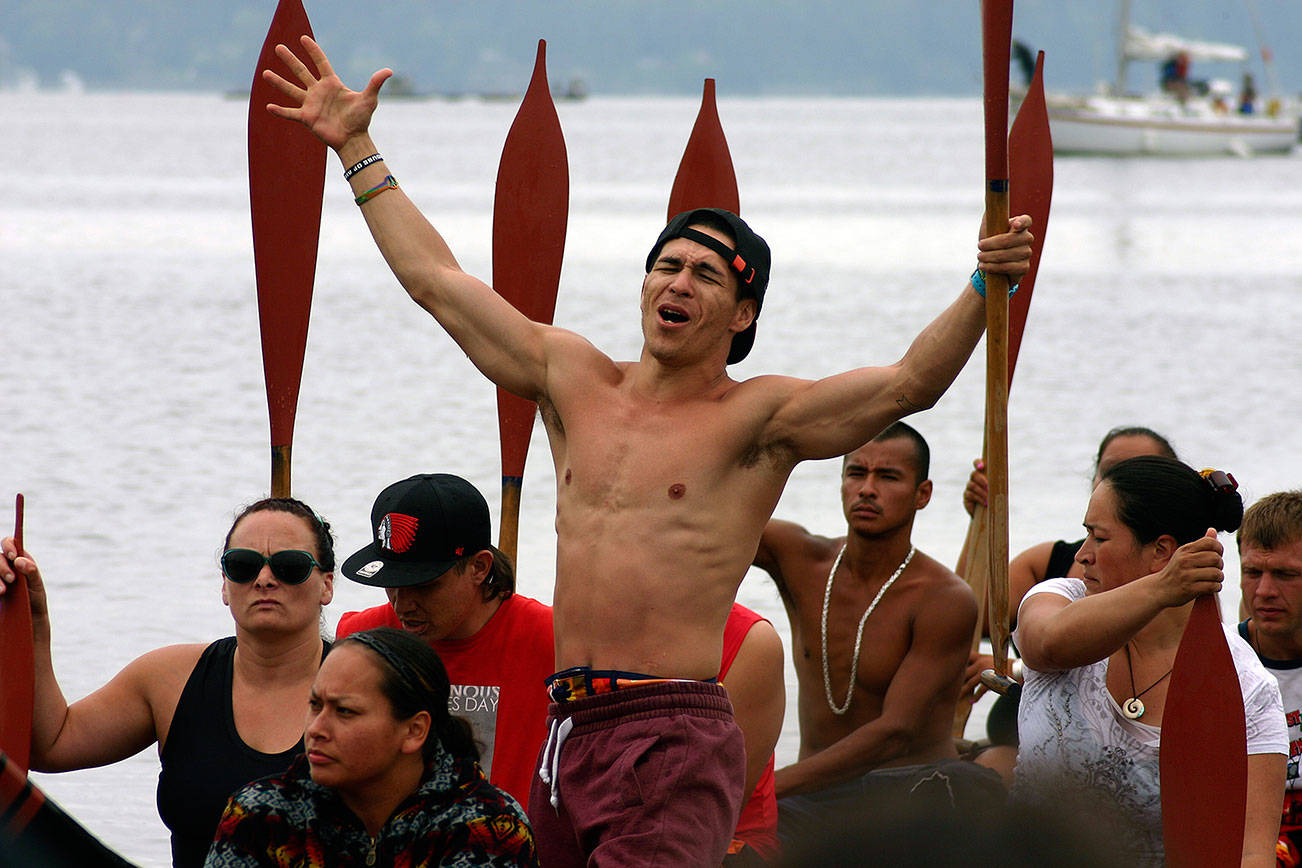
{"x":448,"y":585}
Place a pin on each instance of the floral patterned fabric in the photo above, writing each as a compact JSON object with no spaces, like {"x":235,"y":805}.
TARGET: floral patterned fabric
{"x":1079,"y":752}
{"x":455,"y":819}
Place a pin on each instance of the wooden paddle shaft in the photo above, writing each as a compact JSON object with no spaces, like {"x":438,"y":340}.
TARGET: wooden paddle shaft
{"x":280,"y":470}
{"x":996,"y":40}
{"x":997,"y":436}
{"x":508,"y":533}
{"x":1030,"y":169}
{"x":975,"y":569}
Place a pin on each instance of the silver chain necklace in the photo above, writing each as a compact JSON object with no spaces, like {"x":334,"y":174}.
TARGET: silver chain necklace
{"x":858,"y":642}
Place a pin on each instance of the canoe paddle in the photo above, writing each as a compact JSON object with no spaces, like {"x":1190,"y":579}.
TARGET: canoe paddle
{"x":17,"y":667}
{"x":530,"y":212}
{"x":705,"y":177}
{"x":996,"y":44}
{"x":1203,"y":758}
{"x":37,"y":833}
{"x":1030,"y":165}
{"x":286,"y":184}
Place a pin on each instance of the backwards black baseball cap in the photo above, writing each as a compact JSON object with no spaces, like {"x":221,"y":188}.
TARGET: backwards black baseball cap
{"x":422,"y":525}
{"x":748,"y":257}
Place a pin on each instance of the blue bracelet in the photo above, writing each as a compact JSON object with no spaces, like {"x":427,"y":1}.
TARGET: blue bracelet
{"x":979,"y":284}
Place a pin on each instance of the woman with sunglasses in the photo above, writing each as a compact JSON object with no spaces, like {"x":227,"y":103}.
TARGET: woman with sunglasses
{"x":390,"y":777}
{"x":1099,"y":650}
{"x":222,"y":714}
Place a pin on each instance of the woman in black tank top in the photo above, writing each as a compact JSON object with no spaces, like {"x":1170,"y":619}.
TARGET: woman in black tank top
{"x":223,"y":714}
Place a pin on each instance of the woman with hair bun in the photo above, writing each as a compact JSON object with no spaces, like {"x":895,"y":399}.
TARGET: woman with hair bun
{"x":390,"y":777}
{"x":1098,"y":655}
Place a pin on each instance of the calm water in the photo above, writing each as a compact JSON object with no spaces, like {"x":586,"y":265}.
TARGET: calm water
{"x":136,"y":418}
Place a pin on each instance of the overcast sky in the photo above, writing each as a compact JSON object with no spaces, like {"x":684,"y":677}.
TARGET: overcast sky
{"x":615,"y":46}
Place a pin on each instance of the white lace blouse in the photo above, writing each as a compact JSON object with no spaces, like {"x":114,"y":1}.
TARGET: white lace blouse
{"x":1076,"y":746}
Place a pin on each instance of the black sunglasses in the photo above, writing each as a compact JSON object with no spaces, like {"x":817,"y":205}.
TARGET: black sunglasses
{"x":290,"y":566}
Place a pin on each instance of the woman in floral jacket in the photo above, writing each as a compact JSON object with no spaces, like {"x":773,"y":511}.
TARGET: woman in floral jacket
{"x":389,"y":777}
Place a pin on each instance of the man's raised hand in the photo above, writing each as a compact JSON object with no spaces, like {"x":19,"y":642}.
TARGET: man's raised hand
{"x":323,"y":104}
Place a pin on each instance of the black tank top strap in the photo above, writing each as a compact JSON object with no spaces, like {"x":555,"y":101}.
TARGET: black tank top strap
{"x":1061,"y":558}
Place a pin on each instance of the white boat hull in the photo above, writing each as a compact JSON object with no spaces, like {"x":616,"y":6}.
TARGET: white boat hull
{"x":1103,"y":125}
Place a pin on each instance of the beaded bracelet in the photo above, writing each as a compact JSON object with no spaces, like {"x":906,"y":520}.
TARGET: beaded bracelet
{"x":389,"y":183}
{"x":362,"y":164}
{"x":979,"y":284}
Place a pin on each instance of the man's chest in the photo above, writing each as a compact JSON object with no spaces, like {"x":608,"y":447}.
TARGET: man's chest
{"x":881,"y":641}
{"x":614,"y":450}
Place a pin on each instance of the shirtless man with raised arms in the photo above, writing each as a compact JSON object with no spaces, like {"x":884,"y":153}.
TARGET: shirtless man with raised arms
{"x":667,"y":471}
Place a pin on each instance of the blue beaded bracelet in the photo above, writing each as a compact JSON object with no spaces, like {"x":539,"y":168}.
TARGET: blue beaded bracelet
{"x":979,"y":284}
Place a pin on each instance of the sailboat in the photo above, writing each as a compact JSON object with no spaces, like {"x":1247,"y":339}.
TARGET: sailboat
{"x":1185,"y":118}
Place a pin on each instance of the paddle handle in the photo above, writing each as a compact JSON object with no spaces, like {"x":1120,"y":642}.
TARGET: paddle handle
{"x":508,"y":533}
{"x":280,"y":470}
{"x":18,"y":522}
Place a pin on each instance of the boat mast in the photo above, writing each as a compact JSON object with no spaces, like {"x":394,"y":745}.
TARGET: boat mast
{"x":1123,"y":33}
{"x":1267,"y":56}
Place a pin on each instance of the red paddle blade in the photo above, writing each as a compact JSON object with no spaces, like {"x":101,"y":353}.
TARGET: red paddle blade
{"x":1030,"y":167}
{"x":1203,"y":759}
{"x":530,"y":212}
{"x":996,"y":50}
{"x":705,"y":176}
{"x":286,"y":182}
{"x":17,"y":667}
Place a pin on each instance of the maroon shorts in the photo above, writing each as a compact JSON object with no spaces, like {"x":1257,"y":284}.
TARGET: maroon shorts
{"x":643,"y":776}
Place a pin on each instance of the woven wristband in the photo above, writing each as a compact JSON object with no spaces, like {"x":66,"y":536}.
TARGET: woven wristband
{"x":389,"y":183}
{"x":979,"y":284}
{"x":362,"y":164}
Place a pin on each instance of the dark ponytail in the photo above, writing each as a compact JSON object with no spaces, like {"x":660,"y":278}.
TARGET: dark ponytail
{"x":1157,"y":495}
